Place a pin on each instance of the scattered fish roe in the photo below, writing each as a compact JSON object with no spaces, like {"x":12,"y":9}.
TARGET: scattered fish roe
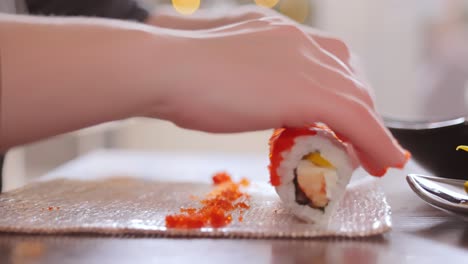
{"x":51,"y":208}
{"x":244,"y":182}
{"x":217,"y":208}
{"x":221,"y":177}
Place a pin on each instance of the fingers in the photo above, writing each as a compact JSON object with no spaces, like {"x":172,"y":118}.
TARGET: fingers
{"x":337,"y":76}
{"x":352,"y":154}
{"x":359,"y":73}
{"x":337,"y":50}
{"x":373,"y":144}
{"x":243,"y":27}
{"x":326,"y":69}
{"x":332,"y":45}
{"x":370,"y":164}
{"x":333,"y":79}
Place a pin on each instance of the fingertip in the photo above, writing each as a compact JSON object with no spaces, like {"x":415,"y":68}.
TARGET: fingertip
{"x":378,"y":169}
{"x":402,"y":164}
{"x":370,"y":164}
{"x":379,"y":173}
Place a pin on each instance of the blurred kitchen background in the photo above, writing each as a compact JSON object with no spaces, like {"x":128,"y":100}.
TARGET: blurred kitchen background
{"x":415,"y":54}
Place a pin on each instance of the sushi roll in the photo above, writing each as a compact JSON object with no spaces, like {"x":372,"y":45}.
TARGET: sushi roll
{"x":310,"y":169}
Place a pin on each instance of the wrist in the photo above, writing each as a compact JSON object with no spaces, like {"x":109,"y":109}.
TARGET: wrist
{"x":162,"y":55}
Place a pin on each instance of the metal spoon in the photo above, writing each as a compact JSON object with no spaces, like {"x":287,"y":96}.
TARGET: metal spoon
{"x":445,"y":194}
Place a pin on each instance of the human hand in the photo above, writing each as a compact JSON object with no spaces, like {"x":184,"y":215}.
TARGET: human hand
{"x":268,"y":73}
{"x":209,"y":19}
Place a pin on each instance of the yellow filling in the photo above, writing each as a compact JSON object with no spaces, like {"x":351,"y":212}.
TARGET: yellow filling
{"x":319,"y":160}
{"x":465,"y":148}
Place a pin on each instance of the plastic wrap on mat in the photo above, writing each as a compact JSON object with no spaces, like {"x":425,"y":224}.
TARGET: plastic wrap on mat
{"x":128,"y":206}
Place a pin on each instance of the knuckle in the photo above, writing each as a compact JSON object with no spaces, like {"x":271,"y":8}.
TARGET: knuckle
{"x":362,"y":111}
{"x":342,"y":47}
{"x":293,"y":29}
{"x":275,"y":20}
{"x":293,"y":32}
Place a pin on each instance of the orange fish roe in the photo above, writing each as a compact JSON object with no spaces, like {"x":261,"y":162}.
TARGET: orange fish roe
{"x":51,"y":208}
{"x":242,"y":205}
{"x":185,"y":221}
{"x":217,"y":207}
{"x":244,"y":182}
{"x":221,"y":177}
{"x":188,"y":210}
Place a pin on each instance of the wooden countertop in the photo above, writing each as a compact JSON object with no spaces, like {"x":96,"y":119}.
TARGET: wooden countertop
{"x":421,"y":234}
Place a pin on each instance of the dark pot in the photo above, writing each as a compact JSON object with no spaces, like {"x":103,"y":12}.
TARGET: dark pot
{"x":433,"y":144}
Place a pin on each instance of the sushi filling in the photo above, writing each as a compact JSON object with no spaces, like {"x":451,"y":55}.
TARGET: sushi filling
{"x":314,"y":177}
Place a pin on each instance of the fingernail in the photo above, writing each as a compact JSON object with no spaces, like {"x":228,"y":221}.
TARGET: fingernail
{"x":403,"y":163}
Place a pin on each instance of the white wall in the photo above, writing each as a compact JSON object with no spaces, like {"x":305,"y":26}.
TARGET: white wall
{"x":386,"y":35}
